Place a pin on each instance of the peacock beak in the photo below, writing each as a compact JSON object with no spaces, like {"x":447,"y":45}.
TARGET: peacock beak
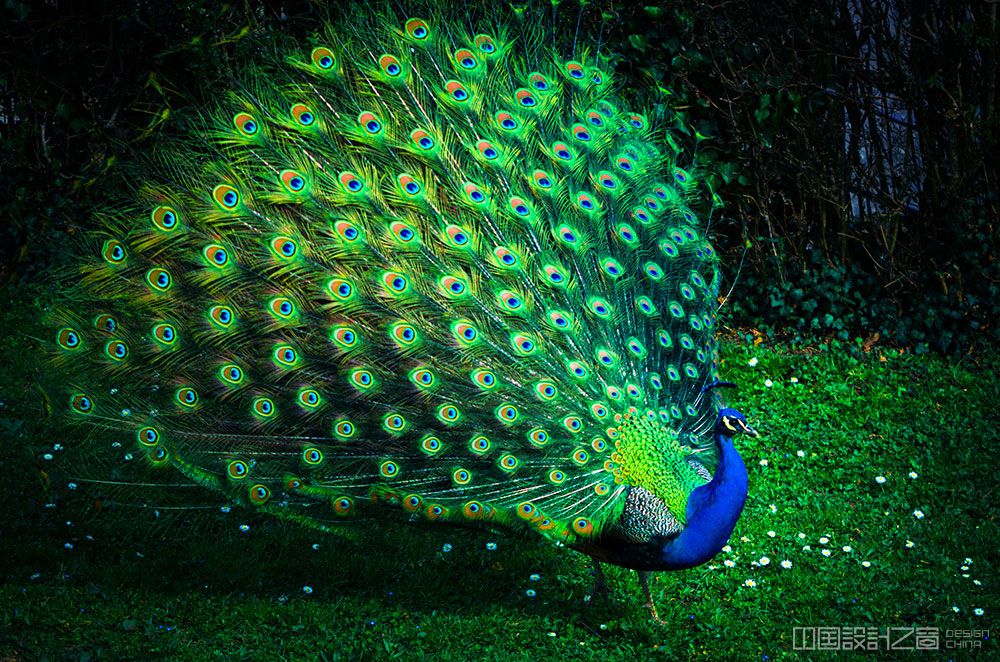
{"x":747,"y":429}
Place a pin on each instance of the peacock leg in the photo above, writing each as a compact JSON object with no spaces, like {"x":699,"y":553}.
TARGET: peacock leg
{"x":600,"y":583}
{"x":644,"y":584}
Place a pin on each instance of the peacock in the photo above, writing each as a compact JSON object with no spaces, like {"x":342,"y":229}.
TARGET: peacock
{"x":430,"y":265}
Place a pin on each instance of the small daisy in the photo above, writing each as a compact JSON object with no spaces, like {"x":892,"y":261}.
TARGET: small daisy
{"x":966,"y":575}
{"x":786,"y":564}
{"x":729,"y":563}
{"x":751,"y":583}
{"x":910,"y":544}
{"x":919,"y":514}
{"x":826,"y":552}
{"x":967,"y":561}
{"x":794,"y":380}
{"x":727,"y":548}
{"x":965,"y":567}
{"x":771,"y":534}
{"x":824,"y":540}
{"x":866,"y":564}
{"x":977,"y":582}
{"x":879,"y":479}
{"x":744,"y":539}
{"x":764,"y":561}
{"x":800,"y":453}
{"x":768,"y":383}
{"x":847,"y":548}
{"x":763,"y":463}
{"x":752,"y":362}
{"x":955,"y":609}
{"x":978,"y":611}
{"x":806,"y":548}
{"x":802,"y":535}
{"x":774,"y":509}
{"x":913,"y":475}
{"x":712,"y":567}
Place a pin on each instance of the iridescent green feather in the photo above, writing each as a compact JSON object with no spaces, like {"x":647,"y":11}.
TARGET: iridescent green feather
{"x":433,"y":265}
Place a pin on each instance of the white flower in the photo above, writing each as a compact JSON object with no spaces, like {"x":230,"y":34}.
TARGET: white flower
{"x":955,"y":609}
{"x":729,"y":563}
{"x":774,"y":509}
{"x":807,"y":548}
{"x":913,"y":475}
{"x":727,"y":548}
{"x":966,"y":575}
{"x":879,"y":479}
{"x":909,"y":544}
{"x":977,"y":582}
{"x":847,"y":548}
{"x":824,"y":540}
{"x":965,"y":567}
{"x":307,"y":589}
{"x":794,"y":380}
{"x":919,"y":514}
{"x":826,"y":552}
{"x":968,"y":561}
{"x":764,"y":560}
{"x":786,"y":564}
{"x":712,"y":567}
{"x":978,"y":611}
{"x":802,"y":535}
{"x":751,"y":583}
{"x":446,"y":548}
{"x":763,"y":463}
{"x":744,"y":539}
{"x":752,"y":362}
{"x":866,"y":564}
{"x":800,"y":453}
{"x":771,"y":534}
{"x":768,"y":383}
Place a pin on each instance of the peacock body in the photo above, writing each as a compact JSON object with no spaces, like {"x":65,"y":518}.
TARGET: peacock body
{"x":423,"y":267}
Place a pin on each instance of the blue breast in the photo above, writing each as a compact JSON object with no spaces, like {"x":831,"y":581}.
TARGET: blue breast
{"x":712,"y":512}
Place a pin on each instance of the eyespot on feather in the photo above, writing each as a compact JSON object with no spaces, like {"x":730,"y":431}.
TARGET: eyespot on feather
{"x":165,"y":218}
{"x":418,"y":29}
{"x":246,"y":125}
{"x":323,"y":58}
{"x":226,"y":197}
{"x":390,"y":66}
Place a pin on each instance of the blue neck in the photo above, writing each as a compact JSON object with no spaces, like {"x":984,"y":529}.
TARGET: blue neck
{"x":712,"y":511}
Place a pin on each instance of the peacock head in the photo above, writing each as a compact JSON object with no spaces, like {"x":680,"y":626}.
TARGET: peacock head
{"x":732,"y":422}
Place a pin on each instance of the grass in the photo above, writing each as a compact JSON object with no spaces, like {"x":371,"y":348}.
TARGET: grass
{"x":94,"y":584}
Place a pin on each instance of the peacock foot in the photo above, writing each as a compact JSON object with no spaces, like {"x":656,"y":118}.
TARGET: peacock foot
{"x":644,"y":584}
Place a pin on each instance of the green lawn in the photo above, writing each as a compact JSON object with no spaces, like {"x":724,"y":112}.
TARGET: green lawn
{"x":86,"y":583}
